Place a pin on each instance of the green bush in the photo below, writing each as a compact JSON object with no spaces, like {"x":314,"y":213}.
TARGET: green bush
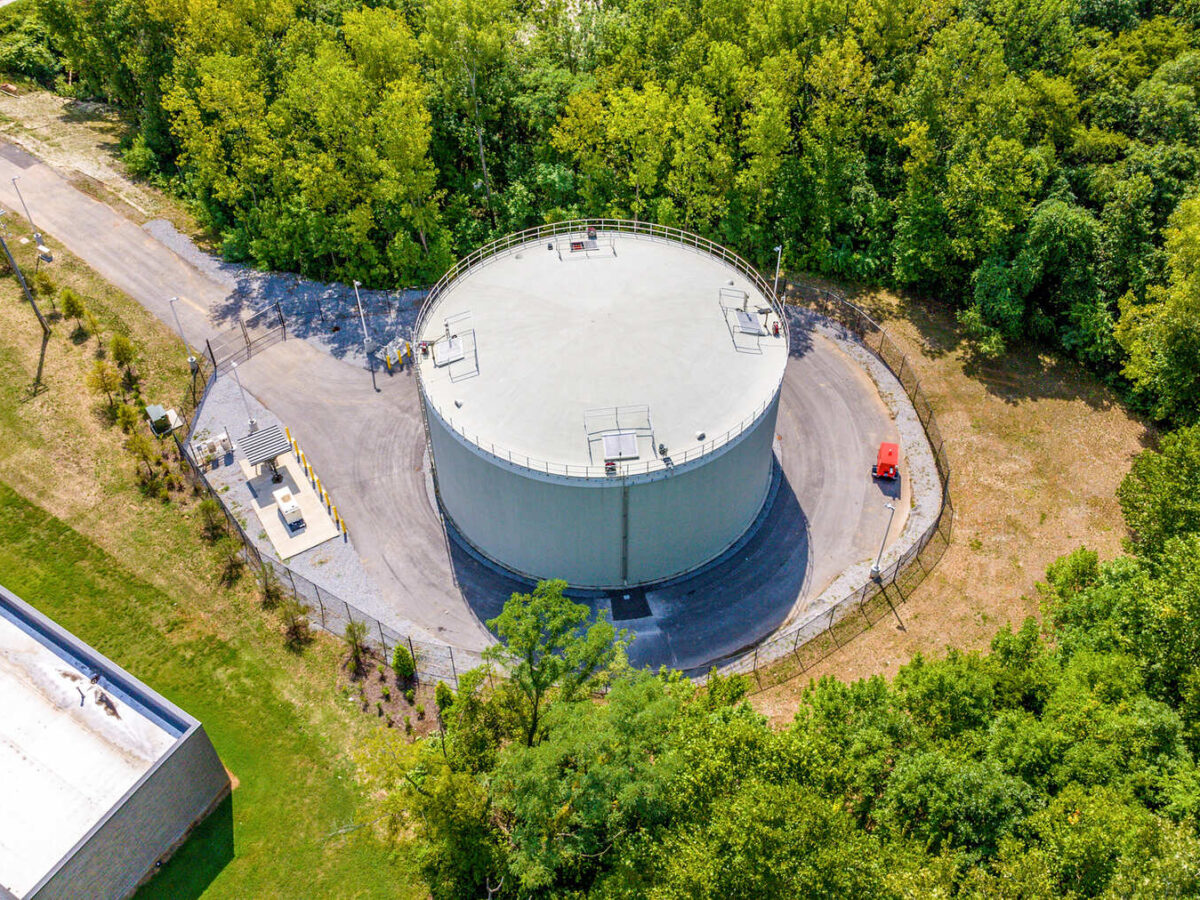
{"x":403,"y":663}
{"x":443,"y":697}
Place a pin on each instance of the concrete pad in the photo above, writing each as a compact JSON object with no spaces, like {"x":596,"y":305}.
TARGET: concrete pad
{"x":318,"y":525}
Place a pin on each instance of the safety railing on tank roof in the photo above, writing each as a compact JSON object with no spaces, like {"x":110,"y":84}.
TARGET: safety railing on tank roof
{"x":509,"y":242}
{"x":646,"y":467}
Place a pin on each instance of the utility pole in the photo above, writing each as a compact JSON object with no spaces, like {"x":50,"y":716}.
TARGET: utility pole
{"x":37,"y":381}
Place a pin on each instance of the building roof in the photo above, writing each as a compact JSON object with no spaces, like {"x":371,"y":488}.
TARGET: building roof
{"x":76,"y":734}
{"x":264,"y":445}
{"x":541,"y":350}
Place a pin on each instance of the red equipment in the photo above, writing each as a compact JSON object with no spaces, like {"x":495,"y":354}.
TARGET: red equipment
{"x":885,"y":464}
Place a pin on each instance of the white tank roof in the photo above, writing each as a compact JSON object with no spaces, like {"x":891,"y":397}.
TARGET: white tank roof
{"x":552,"y":349}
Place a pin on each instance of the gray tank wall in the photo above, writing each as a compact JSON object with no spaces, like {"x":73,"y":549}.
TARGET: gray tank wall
{"x":150,"y":820}
{"x":560,"y":528}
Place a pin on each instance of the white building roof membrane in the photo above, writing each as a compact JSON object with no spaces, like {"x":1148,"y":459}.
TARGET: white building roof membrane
{"x":69,"y":750}
{"x":640,"y":323}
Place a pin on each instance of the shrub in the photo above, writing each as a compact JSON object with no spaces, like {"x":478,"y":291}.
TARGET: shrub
{"x":296,"y":627}
{"x":212,"y":520}
{"x":409,"y":695}
{"x":420,"y":710}
{"x":407,"y":725}
{"x":229,"y":555}
{"x":443,"y":697}
{"x":387,"y":694}
{"x":355,"y":637}
{"x":379,"y":709}
{"x":272,"y":590}
{"x":403,"y":663}
{"x":127,"y":418}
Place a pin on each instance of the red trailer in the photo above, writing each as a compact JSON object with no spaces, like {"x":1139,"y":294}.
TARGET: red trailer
{"x":885,"y":464}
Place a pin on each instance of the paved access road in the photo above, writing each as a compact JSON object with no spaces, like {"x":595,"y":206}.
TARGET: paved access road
{"x":368,"y":446}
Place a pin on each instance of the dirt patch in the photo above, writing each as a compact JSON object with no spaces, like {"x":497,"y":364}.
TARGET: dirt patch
{"x":85,"y":141}
{"x":1037,"y":447}
{"x":381,"y":695}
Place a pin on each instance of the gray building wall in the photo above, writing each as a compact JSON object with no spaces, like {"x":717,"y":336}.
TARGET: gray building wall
{"x":548,"y":526}
{"x":150,"y":820}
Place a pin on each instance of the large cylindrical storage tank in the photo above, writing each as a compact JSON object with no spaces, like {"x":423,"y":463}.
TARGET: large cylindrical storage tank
{"x":600,"y":399}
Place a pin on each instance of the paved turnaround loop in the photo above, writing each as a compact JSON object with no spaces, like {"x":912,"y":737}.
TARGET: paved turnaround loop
{"x":368,"y":446}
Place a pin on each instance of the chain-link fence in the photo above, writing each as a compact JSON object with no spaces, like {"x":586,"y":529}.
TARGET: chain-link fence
{"x":794,"y":650}
{"x":783,"y":656}
{"x":326,"y":610}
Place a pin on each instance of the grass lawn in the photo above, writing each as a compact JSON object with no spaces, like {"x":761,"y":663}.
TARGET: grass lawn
{"x":132,"y":576}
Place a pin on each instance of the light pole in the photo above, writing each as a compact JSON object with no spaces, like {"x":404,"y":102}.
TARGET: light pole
{"x":875,"y":568}
{"x":179,"y":325}
{"x":778,"y":260}
{"x":245,"y":402}
{"x":36,"y":237}
{"x":362,"y":319}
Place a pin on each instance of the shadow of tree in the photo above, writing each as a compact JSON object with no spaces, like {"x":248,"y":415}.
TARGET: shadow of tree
{"x":195,"y":865}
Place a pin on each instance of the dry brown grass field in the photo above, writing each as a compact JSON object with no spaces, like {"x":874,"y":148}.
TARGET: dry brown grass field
{"x":1037,"y":446}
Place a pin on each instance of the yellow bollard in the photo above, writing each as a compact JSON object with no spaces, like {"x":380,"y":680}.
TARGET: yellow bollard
{"x":334,"y":512}
{"x":387,"y":361}
{"x":288,"y":432}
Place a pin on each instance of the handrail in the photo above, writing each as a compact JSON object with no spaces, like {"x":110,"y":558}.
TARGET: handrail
{"x":510,"y":242}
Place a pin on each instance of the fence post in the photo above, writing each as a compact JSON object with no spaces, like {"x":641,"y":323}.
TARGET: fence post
{"x":382,"y":641}
{"x":453,"y":670}
{"x":211,"y":355}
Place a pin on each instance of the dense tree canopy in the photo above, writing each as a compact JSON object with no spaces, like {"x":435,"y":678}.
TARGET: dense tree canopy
{"x":1029,"y":162}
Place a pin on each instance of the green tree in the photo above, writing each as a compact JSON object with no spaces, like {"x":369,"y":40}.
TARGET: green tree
{"x":103,"y":379}
{"x":72,"y":305}
{"x":1158,"y":496}
{"x":143,"y":451}
{"x":1162,"y":336}
{"x":465,"y":41}
{"x":122,"y":351}
{"x":546,"y":648}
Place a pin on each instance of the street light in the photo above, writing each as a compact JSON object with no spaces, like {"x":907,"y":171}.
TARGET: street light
{"x":245,"y":402}
{"x":191,"y":359}
{"x":778,"y":260}
{"x":875,"y":571}
{"x":363,"y":321}
{"x":37,"y":238}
